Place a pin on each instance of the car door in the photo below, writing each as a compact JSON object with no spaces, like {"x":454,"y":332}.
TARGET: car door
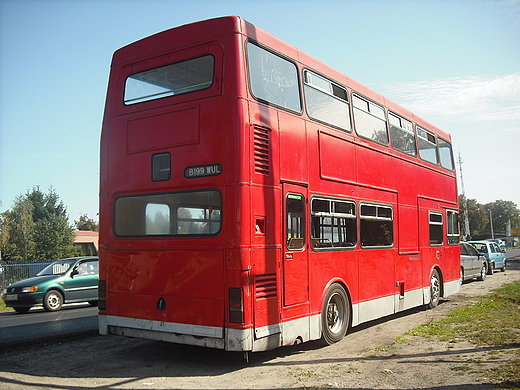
{"x":82,"y":283}
{"x":494,"y":253}
{"x":465,"y":259}
{"x":475,"y":260}
{"x":500,"y":256}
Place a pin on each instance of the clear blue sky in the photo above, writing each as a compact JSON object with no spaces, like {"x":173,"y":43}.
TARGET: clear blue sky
{"x":455,"y":63}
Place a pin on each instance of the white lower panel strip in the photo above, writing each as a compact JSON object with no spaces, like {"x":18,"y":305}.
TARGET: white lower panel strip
{"x":169,"y":327}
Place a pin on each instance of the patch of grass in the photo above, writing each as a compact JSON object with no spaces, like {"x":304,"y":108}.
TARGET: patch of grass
{"x":508,"y":374}
{"x":491,"y":320}
{"x":401,"y":340}
{"x":3,"y":308}
{"x":302,"y":375}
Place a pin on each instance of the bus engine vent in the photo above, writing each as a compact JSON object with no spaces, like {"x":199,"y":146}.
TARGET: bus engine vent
{"x":262,"y":155}
{"x":265,"y":286}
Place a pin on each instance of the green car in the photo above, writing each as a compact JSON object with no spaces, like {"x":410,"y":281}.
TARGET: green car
{"x":64,"y":281}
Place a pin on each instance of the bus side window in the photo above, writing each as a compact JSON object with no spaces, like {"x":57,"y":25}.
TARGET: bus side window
{"x":376,"y":226}
{"x":446,"y":154}
{"x":273,"y":79}
{"x":436,"y":228}
{"x":295,"y":221}
{"x":370,"y":121}
{"x":326,"y":101}
{"x":427,"y":145}
{"x":453,"y":227}
{"x":402,"y":135}
{"x":333,"y":223}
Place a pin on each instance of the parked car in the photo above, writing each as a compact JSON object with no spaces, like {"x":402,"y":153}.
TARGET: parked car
{"x":472,"y":263}
{"x":496,"y":258}
{"x":501,"y":244}
{"x":64,"y":281}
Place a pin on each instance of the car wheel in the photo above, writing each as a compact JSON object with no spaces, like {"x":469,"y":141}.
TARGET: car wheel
{"x":335,"y":315}
{"x":435,"y":289}
{"x":52,"y":301}
{"x":22,"y":310}
{"x":491,"y":268}
{"x":483,"y":272}
{"x":461,"y":275}
{"x":503,"y":269}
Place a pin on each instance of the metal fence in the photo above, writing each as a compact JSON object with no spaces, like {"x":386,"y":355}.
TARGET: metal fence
{"x":11,"y":273}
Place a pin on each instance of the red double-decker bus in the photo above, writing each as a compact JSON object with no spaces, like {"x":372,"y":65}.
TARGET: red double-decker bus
{"x":253,"y":197}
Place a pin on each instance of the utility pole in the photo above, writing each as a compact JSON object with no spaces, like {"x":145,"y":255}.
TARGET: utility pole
{"x":467,"y":233}
{"x":491,"y":222}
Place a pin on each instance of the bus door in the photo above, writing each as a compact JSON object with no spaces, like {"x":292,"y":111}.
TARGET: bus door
{"x":295,"y":252}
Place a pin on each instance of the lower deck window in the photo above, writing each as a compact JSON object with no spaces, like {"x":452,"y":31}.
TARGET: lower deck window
{"x":170,"y":214}
{"x":333,"y":224}
{"x":376,"y":226}
{"x":436,"y":228}
{"x":453,"y":227}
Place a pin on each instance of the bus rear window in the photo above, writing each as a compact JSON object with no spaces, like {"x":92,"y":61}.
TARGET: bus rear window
{"x":174,"y":79}
{"x":191,"y":213}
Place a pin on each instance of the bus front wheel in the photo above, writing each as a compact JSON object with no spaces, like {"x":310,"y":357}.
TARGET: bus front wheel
{"x":335,"y":315}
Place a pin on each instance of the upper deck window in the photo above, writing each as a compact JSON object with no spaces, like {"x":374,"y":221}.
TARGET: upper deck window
{"x":370,"y":120}
{"x":273,"y":79}
{"x":427,"y":145}
{"x":446,"y":154}
{"x":326,"y":101}
{"x":401,"y":132}
{"x":174,"y":79}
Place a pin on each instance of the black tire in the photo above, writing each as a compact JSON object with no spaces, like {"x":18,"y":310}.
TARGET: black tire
{"x":503,"y":269}
{"x":490,"y":268}
{"x":22,"y":310}
{"x":435,"y":289}
{"x":53,"y":300}
{"x":335,"y":315}
{"x":483,"y":272}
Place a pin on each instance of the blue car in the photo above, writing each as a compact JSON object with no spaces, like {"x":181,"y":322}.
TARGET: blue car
{"x":496,"y":257}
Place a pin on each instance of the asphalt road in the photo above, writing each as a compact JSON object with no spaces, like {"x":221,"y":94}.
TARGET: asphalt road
{"x":512,"y":253}
{"x":38,"y":323}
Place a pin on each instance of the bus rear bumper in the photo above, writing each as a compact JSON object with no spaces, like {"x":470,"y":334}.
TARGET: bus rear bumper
{"x":205,"y":336}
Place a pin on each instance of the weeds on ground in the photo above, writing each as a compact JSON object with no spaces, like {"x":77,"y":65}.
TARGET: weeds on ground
{"x":491,"y":320}
{"x":3,"y":308}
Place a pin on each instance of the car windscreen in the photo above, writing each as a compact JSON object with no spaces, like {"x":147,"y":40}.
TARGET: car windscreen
{"x":480,"y":247}
{"x":56,"y":268}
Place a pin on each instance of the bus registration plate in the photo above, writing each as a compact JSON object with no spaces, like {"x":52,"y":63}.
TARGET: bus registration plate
{"x":203,"y":170}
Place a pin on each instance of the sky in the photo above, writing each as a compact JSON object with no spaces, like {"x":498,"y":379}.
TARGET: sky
{"x":455,"y":63}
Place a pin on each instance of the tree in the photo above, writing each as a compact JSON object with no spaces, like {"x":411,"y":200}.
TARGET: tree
{"x":37,"y":228}
{"x":21,"y":228}
{"x":502,"y":212}
{"x":85,"y":223}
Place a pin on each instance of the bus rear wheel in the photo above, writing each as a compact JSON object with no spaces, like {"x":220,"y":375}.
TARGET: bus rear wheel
{"x":335,"y":315}
{"x":435,"y":289}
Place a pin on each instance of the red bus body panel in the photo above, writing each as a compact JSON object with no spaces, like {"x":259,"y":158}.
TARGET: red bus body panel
{"x":179,"y":288}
